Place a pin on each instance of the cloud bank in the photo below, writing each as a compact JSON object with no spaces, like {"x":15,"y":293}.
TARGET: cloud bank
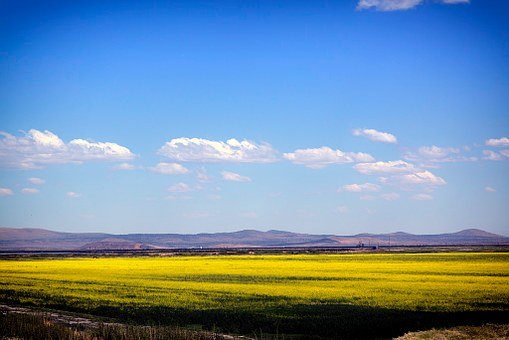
{"x":436,"y":154}
{"x":204,"y":150}
{"x":384,"y":167}
{"x":400,"y":173}
{"x":321,"y":157}
{"x":500,"y":142}
{"x":39,"y":148}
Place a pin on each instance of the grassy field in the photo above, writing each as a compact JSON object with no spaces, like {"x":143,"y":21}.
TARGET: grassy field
{"x":356,"y":295}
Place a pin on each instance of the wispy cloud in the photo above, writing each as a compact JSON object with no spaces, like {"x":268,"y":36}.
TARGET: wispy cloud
{"x":376,"y":136}
{"x":72,"y":194}
{"x":6,"y":192}
{"x":36,"y":180}
{"x":500,"y":142}
{"x":204,"y":150}
{"x":489,"y":189}
{"x":399,"y":5}
{"x":391,"y":196}
{"x":422,"y":197}
{"x":398,"y":166}
{"x":454,"y":2}
{"x":29,"y":191}
{"x":125,"y":167}
{"x":387,"y":5}
{"x":169,"y":169}
{"x":491,"y":155}
{"x":179,"y":188}
{"x":234,"y":177}
{"x":437,"y":154}
{"x":202,"y":175}
{"x":366,"y":187}
{"x":38,"y":148}
{"x":321,"y":157}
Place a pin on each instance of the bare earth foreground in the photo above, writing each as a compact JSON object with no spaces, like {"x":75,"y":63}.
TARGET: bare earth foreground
{"x":334,"y":296}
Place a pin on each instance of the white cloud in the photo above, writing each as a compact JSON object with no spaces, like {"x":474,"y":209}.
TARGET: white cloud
{"x":422,"y":197}
{"x":500,"y":142}
{"x":504,"y":153}
{"x":392,"y":196}
{"x":204,"y":150}
{"x":399,"y":5}
{"x":125,"y":166}
{"x":387,"y":5}
{"x":232,"y":176}
{"x":320,"y":157}
{"x":36,"y":180}
{"x":422,"y":177}
{"x":491,"y":155}
{"x":400,"y":173}
{"x":6,"y":192}
{"x":489,"y":189}
{"x":375,"y":135}
{"x":436,"y":154}
{"x":342,"y":209}
{"x":180,"y":187}
{"x":384,"y":167}
{"x":366,"y":187}
{"x":73,"y":194}
{"x":38,"y":148}
{"x":169,"y":169}
{"x":83,"y":150}
{"x":29,"y":191}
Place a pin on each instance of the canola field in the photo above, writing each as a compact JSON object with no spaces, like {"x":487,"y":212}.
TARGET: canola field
{"x":350,"y":295}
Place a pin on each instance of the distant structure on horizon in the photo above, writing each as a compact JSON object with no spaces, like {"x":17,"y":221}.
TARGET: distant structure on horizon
{"x":12,"y":239}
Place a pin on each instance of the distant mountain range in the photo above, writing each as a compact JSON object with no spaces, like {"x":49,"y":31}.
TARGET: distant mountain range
{"x":42,"y":239}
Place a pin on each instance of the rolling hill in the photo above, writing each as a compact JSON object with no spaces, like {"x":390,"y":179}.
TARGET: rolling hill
{"x":42,"y":239}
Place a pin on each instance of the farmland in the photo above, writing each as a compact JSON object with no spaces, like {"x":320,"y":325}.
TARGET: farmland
{"x":348,"y":295}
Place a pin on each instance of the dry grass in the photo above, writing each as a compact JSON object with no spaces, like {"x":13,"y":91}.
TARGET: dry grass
{"x":41,"y":326}
{"x":461,"y":333}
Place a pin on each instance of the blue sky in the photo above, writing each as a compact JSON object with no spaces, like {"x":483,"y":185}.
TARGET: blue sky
{"x":321,"y":117}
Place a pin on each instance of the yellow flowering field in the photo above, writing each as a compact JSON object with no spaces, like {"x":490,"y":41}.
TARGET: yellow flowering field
{"x":285,"y":291}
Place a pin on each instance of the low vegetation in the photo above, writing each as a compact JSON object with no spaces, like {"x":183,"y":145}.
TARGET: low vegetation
{"x":41,"y":327}
{"x":355,"y":295}
{"x":461,"y":333}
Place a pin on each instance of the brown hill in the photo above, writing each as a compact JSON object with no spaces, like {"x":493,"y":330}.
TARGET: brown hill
{"x":41,"y":239}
